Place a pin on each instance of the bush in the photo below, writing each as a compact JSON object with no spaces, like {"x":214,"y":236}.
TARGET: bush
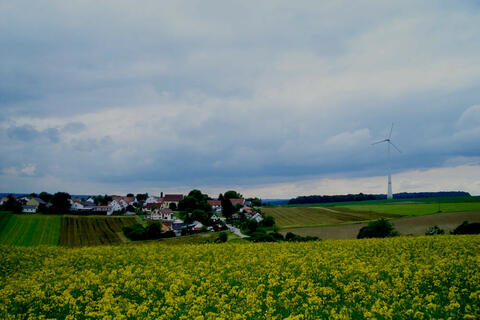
{"x":151,"y":232}
{"x":467,"y":228}
{"x":377,"y":229}
{"x":267,"y":222}
{"x":295,"y":237}
{"x":435,"y":230}
{"x":134,"y":232}
{"x":222,"y":237}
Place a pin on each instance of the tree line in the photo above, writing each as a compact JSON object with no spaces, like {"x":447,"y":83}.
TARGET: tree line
{"x":363,"y":197}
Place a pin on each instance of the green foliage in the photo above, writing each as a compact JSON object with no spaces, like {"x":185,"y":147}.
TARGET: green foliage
{"x":467,"y":228}
{"x":227,"y":208}
{"x":381,"y":228}
{"x":194,"y":200}
{"x":11,"y":205}
{"x":45,"y":196}
{"x":231,"y":194}
{"x":267,"y":221}
{"x":130,"y":195}
{"x":222,"y":237}
{"x":435,"y":230}
{"x":152,"y":231}
{"x":60,"y":203}
{"x":142,"y":196}
{"x":255,"y":202}
{"x":291,"y":237}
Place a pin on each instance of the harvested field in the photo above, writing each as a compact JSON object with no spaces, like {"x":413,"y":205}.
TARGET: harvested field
{"x":304,"y":216}
{"x":406,"y":226}
{"x":91,"y":231}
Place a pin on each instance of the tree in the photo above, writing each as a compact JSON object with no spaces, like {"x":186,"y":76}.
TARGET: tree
{"x":130,"y":195}
{"x":130,"y":208}
{"x":377,"y":229}
{"x":467,"y":228}
{"x":60,"y":203}
{"x":12,"y":205}
{"x":227,"y":207}
{"x":255,"y":202}
{"x":222,"y":237}
{"x":172,"y":206}
{"x":45,"y":196}
{"x":33,"y":195}
{"x":142,"y":196}
{"x":231,"y":194}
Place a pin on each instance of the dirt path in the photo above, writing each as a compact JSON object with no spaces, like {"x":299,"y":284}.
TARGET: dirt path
{"x":408,"y":225}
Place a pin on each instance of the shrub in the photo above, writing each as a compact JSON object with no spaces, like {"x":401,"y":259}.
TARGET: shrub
{"x":467,"y":228}
{"x":267,"y":222}
{"x":222,"y":237}
{"x":377,"y":229}
{"x":295,"y":237}
{"x":435,"y":230}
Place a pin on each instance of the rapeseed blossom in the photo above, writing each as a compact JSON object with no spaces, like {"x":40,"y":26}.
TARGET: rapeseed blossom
{"x":396,"y":278}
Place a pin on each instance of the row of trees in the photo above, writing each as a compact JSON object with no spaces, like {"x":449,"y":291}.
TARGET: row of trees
{"x":363,"y":197}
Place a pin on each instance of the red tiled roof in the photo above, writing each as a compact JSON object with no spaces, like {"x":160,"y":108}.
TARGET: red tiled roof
{"x":166,"y":211}
{"x":237,"y":201}
{"x":173,"y":197}
{"x":214,"y":202}
{"x":150,"y":205}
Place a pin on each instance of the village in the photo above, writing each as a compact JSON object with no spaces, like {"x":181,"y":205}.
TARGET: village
{"x":172,"y":211}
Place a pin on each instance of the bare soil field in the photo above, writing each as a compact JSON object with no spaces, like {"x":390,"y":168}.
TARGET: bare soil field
{"x":91,"y":231}
{"x":406,"y":226}
{"x":303,"y":216}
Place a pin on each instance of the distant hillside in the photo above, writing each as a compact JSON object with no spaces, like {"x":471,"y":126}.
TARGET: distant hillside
{"x":363,"y":197}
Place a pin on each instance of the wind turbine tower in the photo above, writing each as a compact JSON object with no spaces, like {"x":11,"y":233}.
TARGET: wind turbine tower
{"x":389,"y":143}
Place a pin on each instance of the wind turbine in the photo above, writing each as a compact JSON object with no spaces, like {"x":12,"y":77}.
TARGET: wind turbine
{"x":389,"y":142}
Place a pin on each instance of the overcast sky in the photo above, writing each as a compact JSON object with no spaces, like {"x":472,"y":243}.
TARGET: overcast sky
{"x":272,"y":98}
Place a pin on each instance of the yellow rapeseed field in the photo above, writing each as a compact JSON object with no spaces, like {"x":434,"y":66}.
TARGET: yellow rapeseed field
{"x":397,"y":278}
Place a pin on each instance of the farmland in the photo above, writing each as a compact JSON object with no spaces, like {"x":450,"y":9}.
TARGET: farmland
{"x":93,"y":230}
{"x":310,"y":216}
{"x":403,"y":277}
{"x":354,"y":212}
{"x":416,"y":225}
{"x":27,"y":230}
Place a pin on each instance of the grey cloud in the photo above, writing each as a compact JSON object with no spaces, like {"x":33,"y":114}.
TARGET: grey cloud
{"x":220,"y":92}
{"x":74,"y":127}
{"x":23,"y":133}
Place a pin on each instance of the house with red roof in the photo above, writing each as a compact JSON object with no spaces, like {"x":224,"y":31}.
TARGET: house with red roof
{"x":171,"y":201}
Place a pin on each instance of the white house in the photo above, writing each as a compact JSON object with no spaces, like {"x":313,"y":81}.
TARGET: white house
{"x":116,"y":205}
{"x":161,"y":214}
{"x":151,"y":199}
{"x":76,"y":206}
{"x":257,"y":217}
{"x":29,"y":209}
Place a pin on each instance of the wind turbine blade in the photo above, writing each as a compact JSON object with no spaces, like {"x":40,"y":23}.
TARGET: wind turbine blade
{"x":394,"y":146}
{"x":391,"y":129}
{"x":384,"y":140}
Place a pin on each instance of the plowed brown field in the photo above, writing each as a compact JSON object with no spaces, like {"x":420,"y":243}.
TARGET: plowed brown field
{"x":91,"y":231}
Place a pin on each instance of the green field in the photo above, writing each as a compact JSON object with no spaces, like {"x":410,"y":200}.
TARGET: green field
{"x":28,"y":230}
{"x":294,"y":216}
{"x":416,"y":208}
